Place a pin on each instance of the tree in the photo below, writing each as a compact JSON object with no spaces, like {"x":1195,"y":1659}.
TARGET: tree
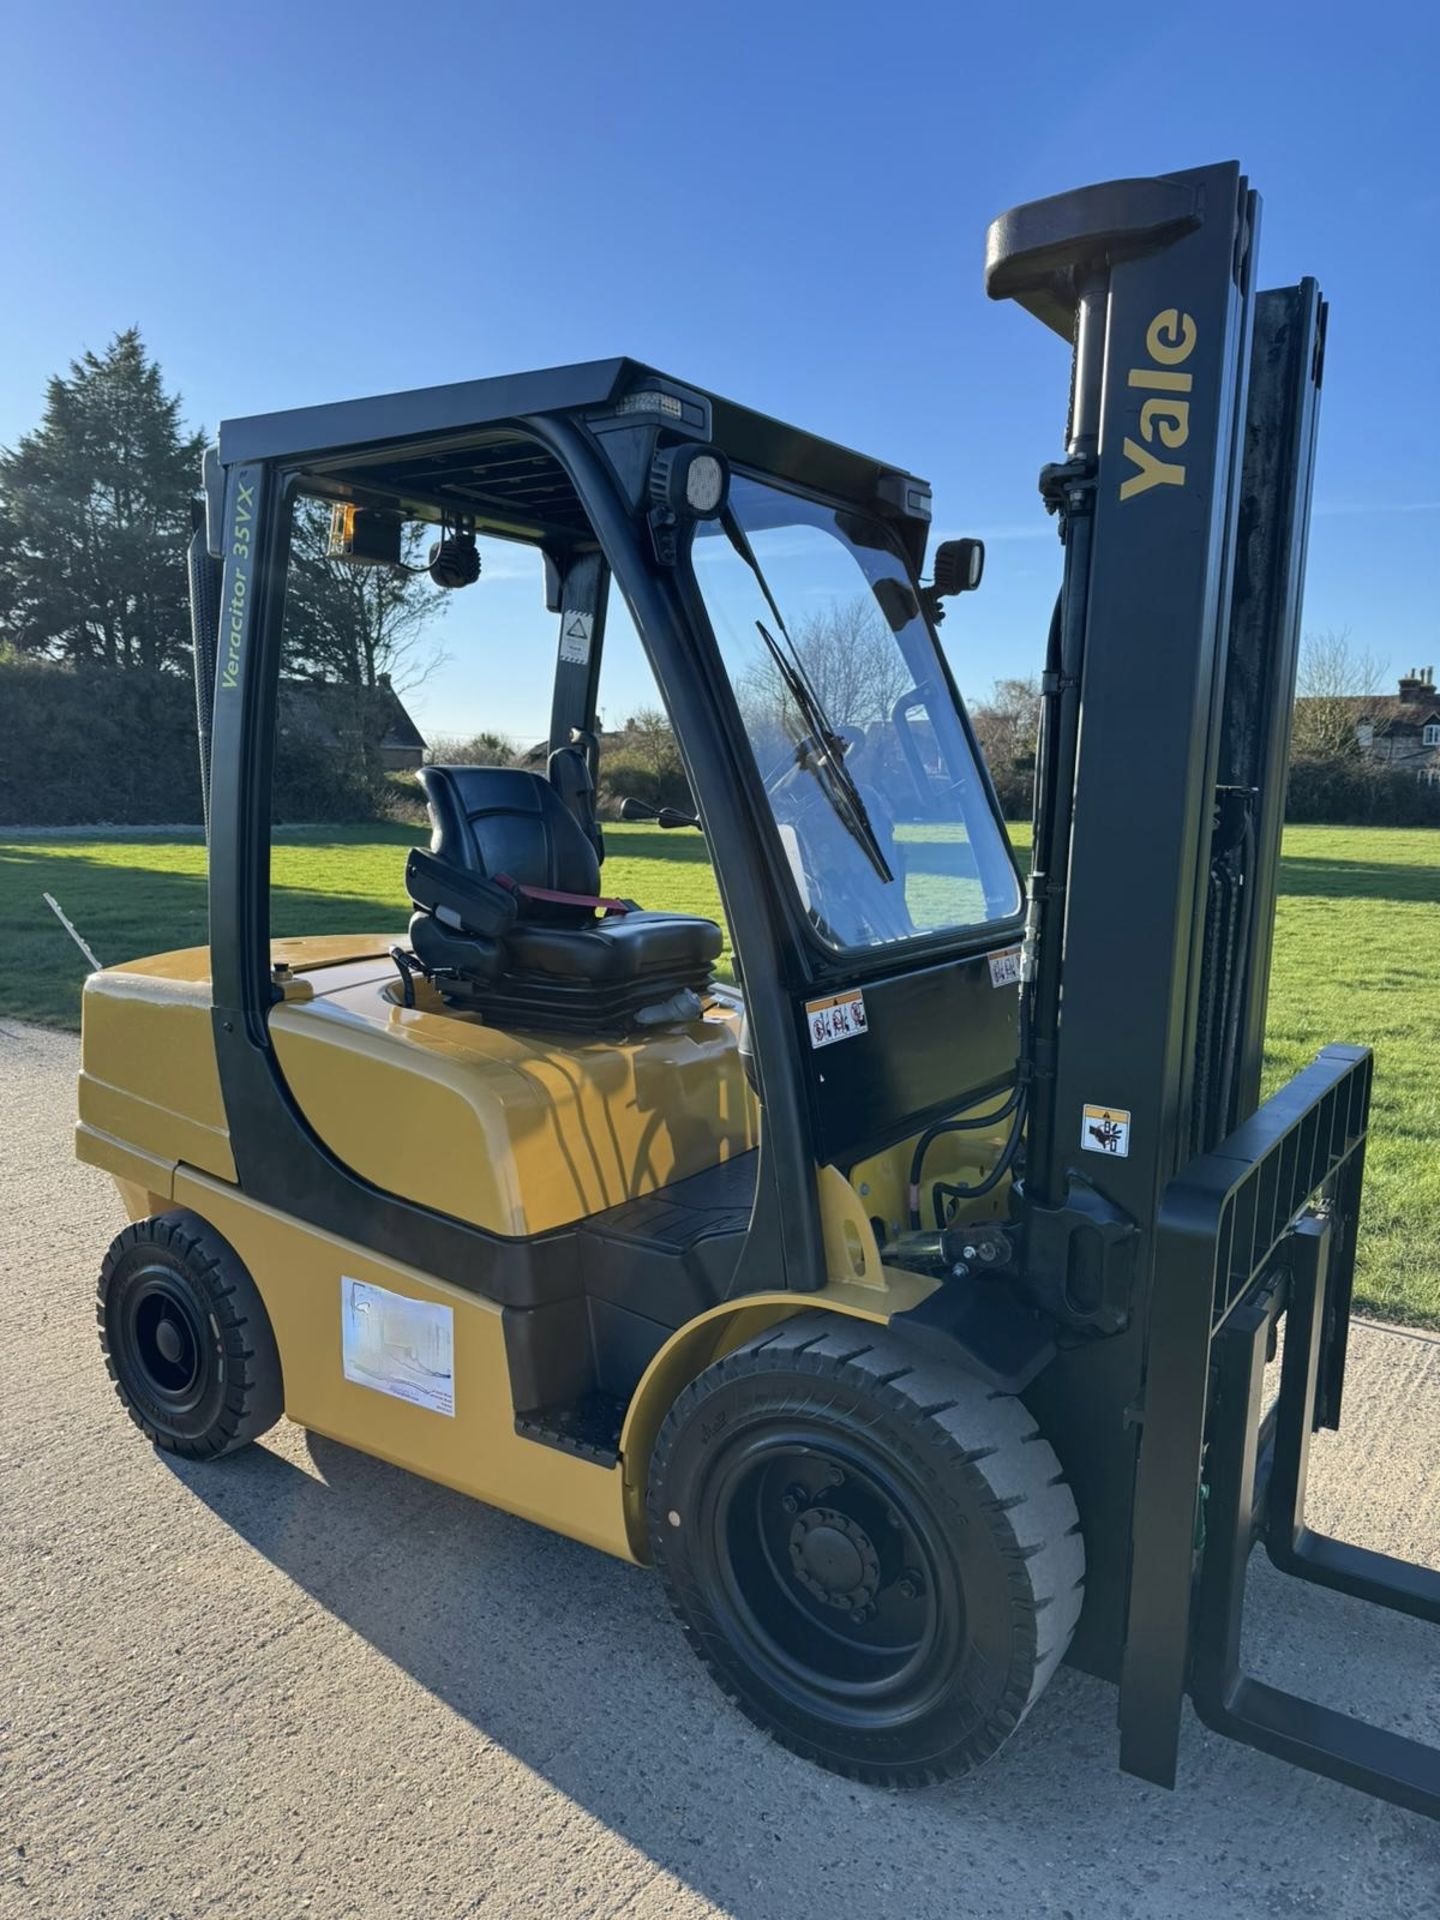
{"x":1006,"y":725}
{"x":1332,"y":675}
{"x":851,"y":659}
{"x":486,"y":749}
{"x":360,"y":626}
{"x":95,"y":517}
{"x":649,"y":740}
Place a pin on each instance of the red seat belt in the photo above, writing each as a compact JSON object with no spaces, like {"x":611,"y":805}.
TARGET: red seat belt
{"x":612,"y":908}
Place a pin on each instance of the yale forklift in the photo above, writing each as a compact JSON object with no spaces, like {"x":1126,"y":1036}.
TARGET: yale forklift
{"x":908,"y":1304}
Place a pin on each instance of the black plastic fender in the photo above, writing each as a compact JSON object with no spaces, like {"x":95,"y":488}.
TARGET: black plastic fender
{"x":982,"y":1327}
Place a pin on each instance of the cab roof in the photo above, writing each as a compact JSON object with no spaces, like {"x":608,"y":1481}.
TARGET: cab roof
{"x":463,"y":447}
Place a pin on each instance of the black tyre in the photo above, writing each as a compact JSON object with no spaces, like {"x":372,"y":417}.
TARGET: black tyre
{"x":878,"y":1559}
{"x":186,"y":1338}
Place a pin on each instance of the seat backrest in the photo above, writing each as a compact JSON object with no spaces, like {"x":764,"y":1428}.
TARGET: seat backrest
{"x":494,"y":820}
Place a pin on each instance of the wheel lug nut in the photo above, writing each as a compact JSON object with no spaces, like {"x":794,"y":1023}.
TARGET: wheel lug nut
{"x":910,"y":1585}
{"x":794,"y":1498}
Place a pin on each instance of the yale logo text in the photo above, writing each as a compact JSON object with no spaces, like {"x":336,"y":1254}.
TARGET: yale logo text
{"x":1165,"y":417}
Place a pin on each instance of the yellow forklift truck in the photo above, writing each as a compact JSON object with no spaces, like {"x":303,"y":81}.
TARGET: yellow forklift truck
{"x":907,"y":1305}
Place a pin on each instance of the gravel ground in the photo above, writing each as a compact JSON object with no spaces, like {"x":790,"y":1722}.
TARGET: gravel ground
{"x":301,"y":1683}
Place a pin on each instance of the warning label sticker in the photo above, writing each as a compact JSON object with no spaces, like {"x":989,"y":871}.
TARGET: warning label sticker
{"x":1005,"y":968}
{"x":1106,"y":1130}
{"x":575,"y":631}
{"x":842,"y":1017}
{"x":397,"y":1345}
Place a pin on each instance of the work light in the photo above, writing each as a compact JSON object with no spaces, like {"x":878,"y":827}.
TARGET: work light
{"x":690,"y":481}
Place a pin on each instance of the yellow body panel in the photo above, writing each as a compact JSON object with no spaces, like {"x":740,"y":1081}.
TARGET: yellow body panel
{"x":147,"y":1063}
{"x":298,"y":1270}
{"x":515,"y":1132}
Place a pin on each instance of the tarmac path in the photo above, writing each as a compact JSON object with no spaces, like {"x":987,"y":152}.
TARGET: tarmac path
{"x":301,"y":1683}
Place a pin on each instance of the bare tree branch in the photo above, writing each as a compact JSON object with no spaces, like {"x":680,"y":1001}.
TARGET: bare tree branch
{"x":1333,"y":676}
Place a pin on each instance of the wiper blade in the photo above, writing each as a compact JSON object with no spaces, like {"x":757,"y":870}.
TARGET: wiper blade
{"x":843,"y":795}
{"x":835,"y":781}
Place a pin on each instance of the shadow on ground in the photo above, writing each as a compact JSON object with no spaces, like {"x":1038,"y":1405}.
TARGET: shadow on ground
{"x":571,"y":1661}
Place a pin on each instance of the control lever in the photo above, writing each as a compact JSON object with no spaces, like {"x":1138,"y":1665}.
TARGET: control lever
{"x":667,"y":817}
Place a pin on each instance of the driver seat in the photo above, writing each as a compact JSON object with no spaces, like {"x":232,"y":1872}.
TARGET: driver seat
{"x":509,"y":916}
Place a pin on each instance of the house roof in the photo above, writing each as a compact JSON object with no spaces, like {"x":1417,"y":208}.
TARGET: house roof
{"x":403,"y":730}
{"x":316,"y":699}
{"x":1387,"y":712}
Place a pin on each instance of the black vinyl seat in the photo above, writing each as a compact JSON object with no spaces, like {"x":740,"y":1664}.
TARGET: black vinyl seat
{"x":509,"y":912}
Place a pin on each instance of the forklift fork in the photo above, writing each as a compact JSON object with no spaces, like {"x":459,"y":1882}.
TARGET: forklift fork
{"x":1240,"y":1257}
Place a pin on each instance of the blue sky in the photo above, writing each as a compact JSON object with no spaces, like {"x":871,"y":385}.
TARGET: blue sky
{"x":786,"y":203}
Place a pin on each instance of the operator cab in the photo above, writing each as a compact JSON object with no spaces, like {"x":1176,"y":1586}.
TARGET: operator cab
{"x":541,"y":1090}
{"x":813,"y":632}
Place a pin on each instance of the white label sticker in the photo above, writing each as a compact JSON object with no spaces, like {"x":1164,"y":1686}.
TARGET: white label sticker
{"x":1005,"y":968}
{"x":1106,"y":1130}
{"x":575,"y":631}
{"x":841,"y":1017}
{"x":397,"y":1345}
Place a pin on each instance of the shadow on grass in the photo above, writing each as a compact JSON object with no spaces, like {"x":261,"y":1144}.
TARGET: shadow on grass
{"x":126,"y":912}
{"x":675,"y":844}
{"x":1308,"y":878}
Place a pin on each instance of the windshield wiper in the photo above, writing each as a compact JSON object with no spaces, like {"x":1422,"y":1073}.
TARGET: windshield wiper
{"x":835,"y":781}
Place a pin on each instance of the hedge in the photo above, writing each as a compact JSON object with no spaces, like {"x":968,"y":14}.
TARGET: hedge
{"x":1356,"y":792}
{"x":90,"y":747}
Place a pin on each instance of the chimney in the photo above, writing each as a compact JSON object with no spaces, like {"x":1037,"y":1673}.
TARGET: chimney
{"x":1417,"y":686}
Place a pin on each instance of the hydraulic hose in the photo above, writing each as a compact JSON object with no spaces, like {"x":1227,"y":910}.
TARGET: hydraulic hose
{"x":1015,"y":1103}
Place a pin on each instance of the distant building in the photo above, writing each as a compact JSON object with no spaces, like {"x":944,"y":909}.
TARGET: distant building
{"x":1401,"y":730}
{"x":330,"y":715}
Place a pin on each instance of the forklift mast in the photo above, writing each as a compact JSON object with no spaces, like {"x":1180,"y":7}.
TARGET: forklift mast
{"x":1166,"y":693}
{"x":1161,"y":1205}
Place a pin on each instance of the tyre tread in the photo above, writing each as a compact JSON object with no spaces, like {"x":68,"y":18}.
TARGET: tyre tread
{"x":988,"y":1435}
{"x":254,"y":1397}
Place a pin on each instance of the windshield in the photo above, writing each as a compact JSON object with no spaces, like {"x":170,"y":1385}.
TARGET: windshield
{"x":882,"y":813}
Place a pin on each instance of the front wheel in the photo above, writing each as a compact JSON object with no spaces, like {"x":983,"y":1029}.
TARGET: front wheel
{"x":878,"y":1558}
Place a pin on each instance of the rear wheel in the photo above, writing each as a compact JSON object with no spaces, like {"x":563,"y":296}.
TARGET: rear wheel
{"x":186,"y":1338}
{"x":878,"y":1558}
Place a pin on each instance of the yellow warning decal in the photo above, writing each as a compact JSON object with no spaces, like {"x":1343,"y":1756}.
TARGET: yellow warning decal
{"x":841,"y":1017}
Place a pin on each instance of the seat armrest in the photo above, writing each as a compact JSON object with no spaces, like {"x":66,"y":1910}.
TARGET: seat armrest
{"x":467,"y":902}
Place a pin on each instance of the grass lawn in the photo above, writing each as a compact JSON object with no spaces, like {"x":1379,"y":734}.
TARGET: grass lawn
{"x":1357,"y":958}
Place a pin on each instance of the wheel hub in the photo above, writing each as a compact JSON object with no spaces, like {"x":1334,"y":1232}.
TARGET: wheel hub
{"x":165,"y":1345}
{"x":833,"y":1558}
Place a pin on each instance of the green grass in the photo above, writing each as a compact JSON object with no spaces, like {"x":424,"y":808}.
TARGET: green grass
{"x":1357,"y":957}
